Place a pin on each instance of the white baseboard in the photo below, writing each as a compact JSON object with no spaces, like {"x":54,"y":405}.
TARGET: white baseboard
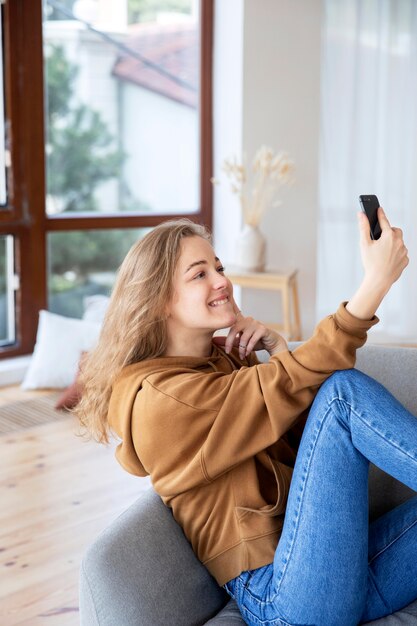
{"x":12,"y":371}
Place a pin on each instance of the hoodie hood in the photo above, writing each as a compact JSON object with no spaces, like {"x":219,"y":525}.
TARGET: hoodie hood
{"x":129,"y":383}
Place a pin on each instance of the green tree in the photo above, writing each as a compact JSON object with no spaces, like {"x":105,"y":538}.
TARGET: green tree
{"x":74,"y":259}
{"x":86,"y":251}
{"x":81,"y":152}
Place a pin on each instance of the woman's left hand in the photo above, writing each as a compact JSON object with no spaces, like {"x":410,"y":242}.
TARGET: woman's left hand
{"x":248,"y":334}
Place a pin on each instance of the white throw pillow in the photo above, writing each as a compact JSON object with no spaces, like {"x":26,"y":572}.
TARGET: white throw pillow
{"x":59,"y":344}
{"x":95,"y":308}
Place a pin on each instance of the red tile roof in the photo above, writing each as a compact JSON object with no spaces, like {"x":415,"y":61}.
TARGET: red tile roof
{"x":171,"y":47}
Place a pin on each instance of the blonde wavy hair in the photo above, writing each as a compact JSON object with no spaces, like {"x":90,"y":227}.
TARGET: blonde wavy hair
{"x":134,"y":327}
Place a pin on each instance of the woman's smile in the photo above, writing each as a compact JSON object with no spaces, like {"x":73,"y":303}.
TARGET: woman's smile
{"x":219,"y":301}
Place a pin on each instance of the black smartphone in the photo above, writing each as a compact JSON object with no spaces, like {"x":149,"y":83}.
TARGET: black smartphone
{"x":370,"y":205}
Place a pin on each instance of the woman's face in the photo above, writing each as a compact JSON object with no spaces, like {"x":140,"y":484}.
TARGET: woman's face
{"x":202,"y":295}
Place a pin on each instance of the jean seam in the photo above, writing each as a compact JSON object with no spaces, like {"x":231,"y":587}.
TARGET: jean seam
{"x":255,"y":598}
{"x":381,"y":597}
{"x":322,"y":423}
{"x":380,"y":435}
{"x":392,"y":542}
{"x":393,"y":443}
{"x":268,"y":622}
{"x":244,"y":590}
{"x":313,"y":445}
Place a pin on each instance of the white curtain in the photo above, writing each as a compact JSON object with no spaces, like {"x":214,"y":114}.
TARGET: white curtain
{"x":368,"y":146}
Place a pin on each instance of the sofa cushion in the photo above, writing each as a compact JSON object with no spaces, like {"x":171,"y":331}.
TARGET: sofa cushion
{"x":395,"y":368}
{"x":228,"y":616}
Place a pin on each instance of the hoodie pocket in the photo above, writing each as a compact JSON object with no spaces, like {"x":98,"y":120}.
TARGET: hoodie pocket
{"x":283,"y":475}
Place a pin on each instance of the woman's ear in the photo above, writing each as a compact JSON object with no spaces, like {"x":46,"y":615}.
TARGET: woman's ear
{"x":168,"y":305}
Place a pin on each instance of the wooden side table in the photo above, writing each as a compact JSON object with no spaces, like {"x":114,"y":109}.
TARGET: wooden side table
{"x":286,"y":284}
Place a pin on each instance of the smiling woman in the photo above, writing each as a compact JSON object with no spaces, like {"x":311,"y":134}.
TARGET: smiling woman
{"x":202,"y":301}
{"x":248,"y":455}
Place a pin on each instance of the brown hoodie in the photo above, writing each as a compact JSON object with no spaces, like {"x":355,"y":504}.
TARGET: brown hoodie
{"x":219,"y":437}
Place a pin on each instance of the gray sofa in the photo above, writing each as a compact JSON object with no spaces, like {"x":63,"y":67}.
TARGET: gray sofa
{"x":141,"y":571}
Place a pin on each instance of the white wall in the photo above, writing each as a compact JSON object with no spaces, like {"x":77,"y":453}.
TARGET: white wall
{"x":268,"y":54}
{"x":227,"y":116}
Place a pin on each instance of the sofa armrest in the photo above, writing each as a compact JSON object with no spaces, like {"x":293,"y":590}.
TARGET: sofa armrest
{"x":141,"y":571}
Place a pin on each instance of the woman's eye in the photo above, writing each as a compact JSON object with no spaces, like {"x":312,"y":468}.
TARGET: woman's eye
{"x":202,"y":274}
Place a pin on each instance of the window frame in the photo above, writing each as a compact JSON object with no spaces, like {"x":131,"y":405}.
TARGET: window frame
{"x":25,"y":216}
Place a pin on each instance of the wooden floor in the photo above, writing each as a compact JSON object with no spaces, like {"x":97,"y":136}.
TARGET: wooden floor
{"x":57,"y":492}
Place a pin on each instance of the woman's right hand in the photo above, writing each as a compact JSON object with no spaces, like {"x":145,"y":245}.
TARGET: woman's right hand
{"x":248,"y":334}
{"x":384,"y":260}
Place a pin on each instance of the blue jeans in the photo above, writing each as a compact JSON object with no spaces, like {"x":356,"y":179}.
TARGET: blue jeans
{"x":331,"y":567}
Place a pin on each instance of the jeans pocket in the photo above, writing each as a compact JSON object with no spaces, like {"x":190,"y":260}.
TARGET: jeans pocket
{"x":237,"y":586}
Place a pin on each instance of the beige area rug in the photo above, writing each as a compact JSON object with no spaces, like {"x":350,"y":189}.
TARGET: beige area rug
{"x":28,"y":413}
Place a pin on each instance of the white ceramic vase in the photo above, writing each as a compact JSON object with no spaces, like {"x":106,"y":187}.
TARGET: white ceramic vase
{"x":250,"y":249}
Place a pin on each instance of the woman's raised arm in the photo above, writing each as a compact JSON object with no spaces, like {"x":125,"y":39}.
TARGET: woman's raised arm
{"x":384,"y":260}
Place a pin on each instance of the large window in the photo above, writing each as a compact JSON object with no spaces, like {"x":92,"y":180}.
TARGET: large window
{"x":108,"y":132}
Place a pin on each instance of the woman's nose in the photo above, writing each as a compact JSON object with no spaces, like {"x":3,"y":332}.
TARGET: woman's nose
{"x":220,"y":281}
